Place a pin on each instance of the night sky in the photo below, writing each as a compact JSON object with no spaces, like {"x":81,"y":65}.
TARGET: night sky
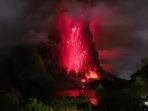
{"x":122,"y":41}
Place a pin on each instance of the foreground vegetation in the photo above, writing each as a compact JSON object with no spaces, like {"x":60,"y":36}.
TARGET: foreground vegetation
{"x":130,"y":98}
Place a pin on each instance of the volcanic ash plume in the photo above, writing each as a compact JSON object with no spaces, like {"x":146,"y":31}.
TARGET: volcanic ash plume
{"x":77,"y":52}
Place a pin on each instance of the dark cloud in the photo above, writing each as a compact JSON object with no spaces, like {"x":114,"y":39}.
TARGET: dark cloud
{"x":11,"y":12}
{"x":127,"y":29}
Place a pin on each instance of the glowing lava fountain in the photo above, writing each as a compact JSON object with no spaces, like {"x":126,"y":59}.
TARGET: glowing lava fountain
{"x":75,"y":49}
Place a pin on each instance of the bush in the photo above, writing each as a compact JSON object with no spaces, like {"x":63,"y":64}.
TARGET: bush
{"x":36,"y":105}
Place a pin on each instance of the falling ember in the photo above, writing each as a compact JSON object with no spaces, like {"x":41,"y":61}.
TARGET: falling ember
{"x":74,"y":48}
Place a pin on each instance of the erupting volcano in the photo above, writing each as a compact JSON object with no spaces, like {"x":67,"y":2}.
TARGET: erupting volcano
{"x":76,"y":47}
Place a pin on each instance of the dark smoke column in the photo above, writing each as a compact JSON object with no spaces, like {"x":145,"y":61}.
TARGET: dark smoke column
{"x":93,"y":53}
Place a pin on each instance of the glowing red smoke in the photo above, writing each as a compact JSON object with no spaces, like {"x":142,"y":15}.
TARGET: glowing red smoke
{"x":74,"y":49}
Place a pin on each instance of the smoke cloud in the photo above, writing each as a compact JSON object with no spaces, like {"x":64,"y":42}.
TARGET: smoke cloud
{"x":11,"y":12}
{"x":120,"y":30}
{"x":123,"y":40}
{"x":120,"y":33}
